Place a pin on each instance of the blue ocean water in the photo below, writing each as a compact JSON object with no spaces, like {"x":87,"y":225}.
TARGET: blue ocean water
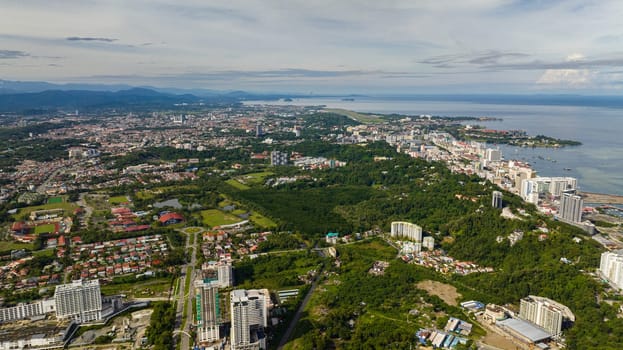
{"x":597,"y":163}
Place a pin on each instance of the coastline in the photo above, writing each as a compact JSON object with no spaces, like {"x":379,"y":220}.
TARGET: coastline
{"x":601,"y":198}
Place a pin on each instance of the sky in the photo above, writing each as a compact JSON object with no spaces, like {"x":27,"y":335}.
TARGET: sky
{"x":319,"y":46}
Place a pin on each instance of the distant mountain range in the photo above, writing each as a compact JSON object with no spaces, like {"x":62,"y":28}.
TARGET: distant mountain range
{"x":16,"y":87}
{"x":33,"y":97}
{"x":82,"y":99}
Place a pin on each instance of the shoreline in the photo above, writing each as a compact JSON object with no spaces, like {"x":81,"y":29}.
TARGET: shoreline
{"x":601,"y":198}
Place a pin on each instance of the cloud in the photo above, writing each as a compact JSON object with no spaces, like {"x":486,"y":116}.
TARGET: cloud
{"x":490,"y":57}
{"x":80,"y":38}
{"x":11,"y":54}
{"x":496,"y":60}
{"x":565,"y":77}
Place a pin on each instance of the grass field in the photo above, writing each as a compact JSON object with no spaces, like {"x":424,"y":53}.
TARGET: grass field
{"x":255,"y":178}
{"x":215,"y":217}
{"x":118,"y":200}
{"x":156,"y":287}
{"x":44,"y":252}
{"x":53,"y":200}
{"x":23,"y":213}
{"x":261,"y":220}
{"x":6,"y":246}
{"x":237,"y":184}
{"x":362,"y":118}
{"x":47,"y":228}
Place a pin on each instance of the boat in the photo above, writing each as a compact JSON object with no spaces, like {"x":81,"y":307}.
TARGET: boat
{"x":567,"y":169}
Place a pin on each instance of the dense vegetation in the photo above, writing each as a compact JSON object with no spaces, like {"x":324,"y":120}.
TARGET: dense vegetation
{"x":160,"y":329}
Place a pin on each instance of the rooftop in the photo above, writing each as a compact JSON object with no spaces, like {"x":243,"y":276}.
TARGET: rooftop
{"x":526,"y":329}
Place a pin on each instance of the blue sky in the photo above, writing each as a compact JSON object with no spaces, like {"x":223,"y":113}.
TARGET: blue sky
{"x":437,"y":46}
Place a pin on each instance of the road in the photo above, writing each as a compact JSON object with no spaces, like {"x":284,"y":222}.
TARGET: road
{"x":184,"y":296}
{"x":299,"y":312}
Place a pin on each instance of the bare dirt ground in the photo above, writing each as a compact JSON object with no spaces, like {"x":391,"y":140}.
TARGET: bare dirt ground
{"x":497,"y":341}
{"x":602,"y":198}
{"x":446,"y":292}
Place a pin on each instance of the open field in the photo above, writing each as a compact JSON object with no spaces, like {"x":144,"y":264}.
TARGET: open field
{"x":446,"y":292}
{"x":7,"y":246}
{"x":118,"y":200}
{"x":23,"y":213}
{"x":237,"y":184}
{"x":261,"y":220}
{"x":53,"y":200}
{"x":155,"y":287}
{"x":255,"y":178}
{"x":47,"y":228}
{"x":44,"y":252}
{"x":600,"y":198}
{"x":215,"y":217}
{"x":362,"y":118}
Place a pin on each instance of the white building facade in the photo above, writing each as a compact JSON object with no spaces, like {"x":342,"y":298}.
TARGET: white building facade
{"x":410,"y":231}
{"x":80,"y":301}
{"x":249,"y":317}
{"x":611,"y":267}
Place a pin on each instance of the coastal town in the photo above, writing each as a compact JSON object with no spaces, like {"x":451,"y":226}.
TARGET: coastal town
{"x":145,"y":198}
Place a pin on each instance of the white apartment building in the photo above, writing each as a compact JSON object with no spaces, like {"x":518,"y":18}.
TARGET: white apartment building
{"x":208,"y":311}
{"x":611,"y":267}
{"x":22,"y":311}
{"x":545,"y":313}
{"x":402,"y":229}
{"x":249,"y":317}
{"x":80,"y":301}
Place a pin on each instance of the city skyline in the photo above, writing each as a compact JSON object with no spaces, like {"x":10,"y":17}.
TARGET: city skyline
{"x":347,"y":47}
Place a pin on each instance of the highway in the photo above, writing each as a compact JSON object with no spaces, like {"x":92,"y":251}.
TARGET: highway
{"x":185,"y":296}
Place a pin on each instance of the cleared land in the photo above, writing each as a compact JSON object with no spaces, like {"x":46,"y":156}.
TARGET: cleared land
{"x":156,"y":287}
{"x":118,"y":199}
{"x":25,"y":212}
{"x":237,"y":184}
{"x":254,"y":178}
{"x":8,"y":246}
{"x":215,"y":217}
{"x":446,"y":292}
{"x":362,"y":118}
{"x":601,"y":198}
{"x":261,"y":220}
{"x":498,"y":341}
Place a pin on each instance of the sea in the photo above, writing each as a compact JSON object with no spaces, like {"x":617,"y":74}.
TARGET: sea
{"x":597,"y":163}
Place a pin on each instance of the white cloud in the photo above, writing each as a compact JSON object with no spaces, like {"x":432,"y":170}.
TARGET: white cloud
{"x":575,"y":57}
{"x":565,"y":77}
{"x":503,"y":41}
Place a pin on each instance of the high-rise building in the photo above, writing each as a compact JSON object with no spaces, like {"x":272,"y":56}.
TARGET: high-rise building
{"x":493,"y":155}
{"x":611,"y":267}
{"x":545,"y":313}
{"x":278,"y":158}
{"x":496,"y":200}
{"x":249,"y":317}
{"x":219,"y":271}
{"x":22,"y":311}
{"x":571,"y":207}
{"x":225,"y":274}
{"x":259,"y":131}
{"x":531,"y":188}
{"x":428,"y":242}
{"x":402,"y":229}
{"x":208,"y":311}
{"x":80,"y":301}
